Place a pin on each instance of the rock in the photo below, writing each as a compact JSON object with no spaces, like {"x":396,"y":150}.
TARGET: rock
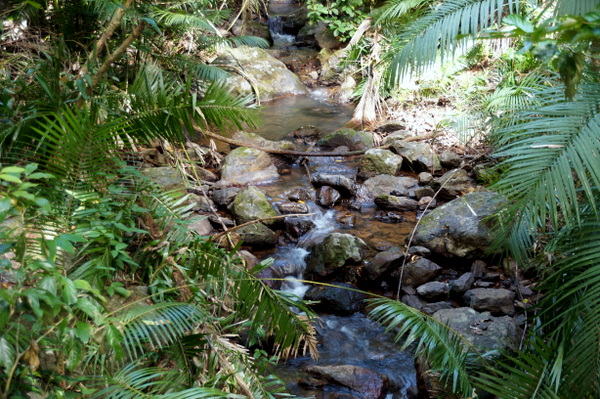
{"x":417,"y":250}
{"x":463,"y":283}
{"x":256,"y":140}
{"x":382,"y":263}
{"x":399,"y":135}
{"x":369,"y":384}
{"x":354,"y":140}
{"x":252,"y":204}
{"x":425,"y":178}
{"x":339,"y":182}
{"x":396,"y":203}
{"x":271,"y":77}
{"x":419,"y":157}
{"x":297,"y":227}
{"x":220,"y":221}
{"x":420,"y":272}
{"x":458,"y":228}
{"x":300,"y":194}
{"x":305,"y":131}
{"x":389,"y":185}
{"x":495,"y":300}
{"x":252,"y":28}
{"x":427,"y":202}
{"x":332,"y":68}
{"x":201,"y":225}
{"x":431,"y":308}
{"x":390,"y":126}
{"x":292,"y":207}
{"x":256,"y":235}
{"x":342,"y":301}
{"x":414,"y":301}
{"x":327,"y":196}
{"x":334,"y":252}
{"x":422,"y":192}
{"x":478,"y":269}
{"x":377,"y":161}
{"x":244,"y":166}
{"x":483,"y":331}
{"x":450,"y":159}
{"x":166,"y":177}
{"x":433,"y":290}
{"x":325,"y":38}
{"x":453,"y":184}
{"x":485,"y":172}
{"x":225,"y":196}
{"x":248,"y":258}
{"x":205,"y":174}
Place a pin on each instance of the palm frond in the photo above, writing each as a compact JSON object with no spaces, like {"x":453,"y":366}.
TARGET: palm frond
{"x":439,"y":33}
{"x":579,"y":7}
{"x":443,"y":348}
{"x":396,"y":8}
{"x":550,"y":156}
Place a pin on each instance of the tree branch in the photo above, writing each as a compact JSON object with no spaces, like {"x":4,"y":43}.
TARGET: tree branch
{"x":110,"y":29}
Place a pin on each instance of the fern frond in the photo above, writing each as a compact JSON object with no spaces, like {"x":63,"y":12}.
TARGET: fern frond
{"x":439,"y":33}
{"x":396,"y":8}
{"x":579,"y":7}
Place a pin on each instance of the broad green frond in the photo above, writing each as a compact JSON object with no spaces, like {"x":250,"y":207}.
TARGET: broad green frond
{"x":443,"y":348}
{"x":220,"y":108}
{"x":578,"y":7}
{"x":177,"y":16}
{"x":550,"y":158}
{"x":439,"y":33}
{"x":396,"y":8}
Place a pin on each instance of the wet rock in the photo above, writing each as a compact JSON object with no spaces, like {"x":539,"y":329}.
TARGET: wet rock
{"x":219,"y":221}
{"x":390,"y":217}
{"x":305,"y":131}
{"x":453,"y":184}
{"x":300,"y":194}
{"x":252,"y":204}
{"x":368,"y":383}
{"x":424,"y":192}
{"x":458,"y":228}
{"x":297,"y":227}
{"x":419,"y":157}
{"x":414,"y":301}
{"x":166,"y":177}
{"x":292,"y":207}
{"x":326,"y":39}
{"x":382,"y":262}
{"x":327,"y":196}
{"x":450,"y":159}
{"x":425,"y":178}
{"x":354,"y":140}
{"x":431,"y":308}
{"x":377,"y":161}
{"x":203,"y":203}
{"x":427,"y":203}
{"x":342,"y":183}
{"x":205,"y":174}
{"x":483,"y":331}
{"x":244,"y":166}
{"x":270,"y":76}
{"x":420,"y":272}
{"x":391,"y":126}
{"x":417,"y":250}
{"x":334,"y":252}
{"x":256,"y":235}
{"x":225,"y":196}
{"x":361,"y":196}
{"x":252,"y":28}
{"x":399,"y":135}
{"x":201,"y":226}
{"x":341,"y":300}
{"x":396,"y":203}
{"x":249,"y":259}
{"x":463,"y":283}
{"x":478,"y":269}
{"x":256,"y":140}
{"x":433,"y":290}
{"x":389,"y":185}
{"x":495,"y":300}
{"x":332,"y":68}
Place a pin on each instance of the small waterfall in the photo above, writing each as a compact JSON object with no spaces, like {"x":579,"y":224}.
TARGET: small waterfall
{"x":280,"y":39}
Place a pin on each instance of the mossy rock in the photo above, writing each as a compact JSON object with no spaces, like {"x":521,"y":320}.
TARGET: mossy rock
{"x":353,"y":139}
{"x":252,"y":204}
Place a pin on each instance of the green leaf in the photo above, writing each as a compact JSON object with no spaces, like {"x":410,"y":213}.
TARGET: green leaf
{"x":13,"y":170}
{"x":61,"y":242}
{"x":520,"y":22}
{"x":7,"y":354}
{"x":69,"y":292}
{"x":83,"y":331}
{"x":10,"y":178}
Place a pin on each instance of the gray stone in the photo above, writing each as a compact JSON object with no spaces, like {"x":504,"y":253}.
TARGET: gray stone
{"x":433,"y":290}
{"x":300,"y":194}
{"x":327,"y":196}
{"x":225,"y":196}
{"x":166,"y":177}
{"x":252,"y":28}
{"x":339,"y":182}
{"x":424,"y":192}
{"x":269,"y":75}
{"x":483,"y":331}
{"x":377,"y":161}
{"x":478,"y":269}
{"x":418,"y":250}
{"x":354,"y":140}
{"x":292,"y":207}
{"x":256,"y":235}
{"x":453,"y":184}
{"x":296,"y":227}
{"x":389,"y":185}
{"x":414,"y":301}
{"x":343,"y":299}
{"x":334,"y":252}
{"x":420,"y":272}
{"x":325,"y":38}
{"x":431,"y":308}
{"x":450,"y":159}
{"x":367,"y":383}
{"x":399,"y":135}
{"x":248,"y":138}
{"x":463,"y":283}
{"x":382,"y":263}
{"x":419,"y":157}
{"x":252,"y":204}
{"x":495,"y":300}
{"x":427,"y":203}
{"x":203,"y":203}
{"x":458,"y":228}
{"x":425,"y":178}
{"x":305,"y":131}
{"x":201,"y":226}
{"x":391,"y":126}
{"x":395,"y":203}
{"x":244,"y":166}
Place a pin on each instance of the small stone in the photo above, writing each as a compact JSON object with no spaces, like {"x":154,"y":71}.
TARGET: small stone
{"x":427,"y":202}
{"x":201,"y":226}
{"x":478,"y":268}
{"x":433,"y":290}
{"x":493,"y":300}
{"x":431,"y":308}
{"x":420,"y":272}
{"x":425,"y":178}
{"x":424,"y":192}
{"x":418,"y":250}
{"x":463,"y":283}
{"x":450,"y":159}
{"x":327,"y":196}
{"x":292,"y":207}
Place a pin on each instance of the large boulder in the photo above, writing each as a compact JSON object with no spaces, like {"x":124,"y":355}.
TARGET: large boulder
{"x":244,"y":166}
{"x":483,"y":331}
{"x":339,"y":298}
{"x":377,"y":161}
{"x":382,"y":263}
{"x":367,"y":383}
{"x":252,"y":28}
{"x":353,"y":139}
{"x":494,"y":300}
{"x":334,"y":252}
{"x":459,"y":228}
{"x":269,"y":75}
{"x":341,"y":183}
{"x":420,"y":272}
{"x":389,"y":185}
{"x":252,"y":204}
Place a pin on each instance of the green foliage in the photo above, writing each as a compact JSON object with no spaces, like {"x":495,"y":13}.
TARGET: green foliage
{"x":342,"y":17}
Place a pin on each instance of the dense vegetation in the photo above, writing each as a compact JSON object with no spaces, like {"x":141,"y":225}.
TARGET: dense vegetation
{"x":90,"y":81}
